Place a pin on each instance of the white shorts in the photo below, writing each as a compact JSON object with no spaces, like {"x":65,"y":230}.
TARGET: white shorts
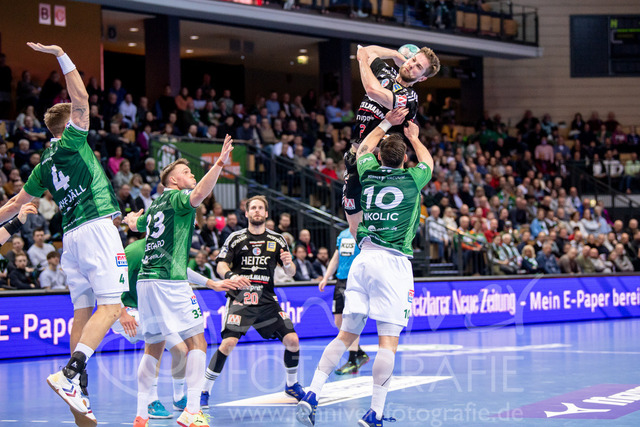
{"x":168,"y":307}
{"x":380,"y":286}
{"x":93,"y":260}
{"x":117,"y":328}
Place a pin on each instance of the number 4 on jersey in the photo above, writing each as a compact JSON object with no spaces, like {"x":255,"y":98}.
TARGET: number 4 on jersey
{"x":60,"y":180}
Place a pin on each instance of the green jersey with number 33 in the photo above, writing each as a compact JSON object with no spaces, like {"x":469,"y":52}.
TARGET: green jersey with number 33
{"x":390,"y":203}
{"x":75,"y":178}
{"x":169,"y":224}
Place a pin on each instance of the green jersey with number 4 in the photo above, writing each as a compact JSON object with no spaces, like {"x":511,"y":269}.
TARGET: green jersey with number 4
{"x":169,"y":223}
{"x":75,"y":178}
{"x":390,"y":203}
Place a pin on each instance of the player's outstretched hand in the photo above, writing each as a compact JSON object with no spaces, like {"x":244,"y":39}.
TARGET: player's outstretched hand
{"x":224,"y":285}
{"x":240,"y":281}
{"x":396,"y":116}
{"x":132,"y":219}
{"x":25,"y":210}
{"x":227,"y":148}
{"x":285,"y":257}
{"x":411,"y":131}
{"x":52,"y":49}
{"x":128,"y":323}
{"x":322,"y":284}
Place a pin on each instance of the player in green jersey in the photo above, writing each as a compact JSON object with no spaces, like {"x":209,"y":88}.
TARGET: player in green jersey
{"x":380,"y":282}
{"x":166,"y":302}
{"x":129,"y":327}
{"x":93,"y":257}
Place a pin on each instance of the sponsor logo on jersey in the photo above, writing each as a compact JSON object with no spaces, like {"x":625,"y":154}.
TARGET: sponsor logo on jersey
{"x":186,"y":191}
{"x":121,"y":260}
{"x":245,"y":248}
{"x":255,"y":260}
{"x":256,"y":251}
{"x":364,"y":160}
{"x":237,"y":303}
{"x":422,"y":166}
{"x":194,"y":300}
{"x":384,"y":82}
{"x":410,"y":298}
{"x":349,"y":203}
{"x":401,"y":101}
{"x":223,"y":252}
{"x":275,"y":298}
{"x":283,"y":315}
{"x":271,"y":247}
{"x":397,"y":87}
{"x":234,"y":319}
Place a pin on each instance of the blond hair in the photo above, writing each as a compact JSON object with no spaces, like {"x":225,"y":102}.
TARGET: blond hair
{"x":56,"y":118}
{"x":434,"y":62}
{"x":164,"y":175}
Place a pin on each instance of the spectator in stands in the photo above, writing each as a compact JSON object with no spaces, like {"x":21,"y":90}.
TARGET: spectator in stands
{"x":519,"y":214}
{"x":50,"y":90}
{"x":200,"y":265}
{"x":125,"y":200}
{"x":47,"y":206}
{"x":631,"y":176}
{"x":539,"y":224}
{"x":621,"y":260}
{"x":599,"y":264}
{"x":20,"y":277}
{"x":129,"y":111}
{"x":304,"y":269}
{"x":284,"y":223}
{"x":143,"y":201}
{"x":21,"y":153}
{"x":17,"y":248}
{"x":209,"y":234}
{"x":529,"y":262}
{"x":437,"y":231}
{"x":547,"y":261}
{"x":590,"y":225}
{"x":28,"y":167}
{"x":35,"y":222}
{"x":230,"y":227}
{"x":39,"y":250}
{"x":123,"y":176}
{"x":52,"y":278}
{"x":568,"y":263}
{"x":321,"y":263}
{"x":584,"y":261}
{"x":26,"y":92}
{"x":304,"y":240}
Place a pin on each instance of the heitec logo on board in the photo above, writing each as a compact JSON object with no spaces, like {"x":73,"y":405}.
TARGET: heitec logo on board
{"x":604,"y":401}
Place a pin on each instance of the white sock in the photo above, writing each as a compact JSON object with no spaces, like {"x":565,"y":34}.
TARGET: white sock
{"x":382,"y":373}
{"x":196,"y":363}
{"x":292,"y":376}
{"x":146,"y":374}
{"x":210,"y":378}
{"x":153,"y":393}
{"x":178,"y":389}
{"x":328,"y":362}
{"x":84,"y":349}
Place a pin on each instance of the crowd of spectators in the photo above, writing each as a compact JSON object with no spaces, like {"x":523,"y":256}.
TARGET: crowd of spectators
{"x":504,"y":191}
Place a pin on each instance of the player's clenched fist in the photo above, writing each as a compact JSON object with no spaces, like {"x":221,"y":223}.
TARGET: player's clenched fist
{"x":285,"y":257}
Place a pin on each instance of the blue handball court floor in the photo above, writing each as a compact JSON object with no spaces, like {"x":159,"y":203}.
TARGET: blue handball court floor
{"x":563,"y":374}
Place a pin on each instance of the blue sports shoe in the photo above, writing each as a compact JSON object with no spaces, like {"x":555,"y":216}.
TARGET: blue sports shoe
{"x":296,"y":391}
{"x":370,"y":420}
{"x":306,"y":409}
{"x":204,"y":400}
{"x":157,"y":410}
{"x":180,"y":404}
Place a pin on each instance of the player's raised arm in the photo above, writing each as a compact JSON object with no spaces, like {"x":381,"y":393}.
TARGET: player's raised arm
{"x":393,"y":118}
{"x":75,"y":86}
{"x":14,"y":226}
{"x":206,"y":184}
{"x":372,"y":52}
{"x":423,"y":155}
{"x":370,"y":83}
{"x":12,"y":207}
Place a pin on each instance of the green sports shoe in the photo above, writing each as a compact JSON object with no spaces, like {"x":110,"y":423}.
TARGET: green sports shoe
{"x":347,"y":368}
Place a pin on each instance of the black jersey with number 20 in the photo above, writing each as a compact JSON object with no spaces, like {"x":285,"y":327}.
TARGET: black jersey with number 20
{"x":253,"y":256}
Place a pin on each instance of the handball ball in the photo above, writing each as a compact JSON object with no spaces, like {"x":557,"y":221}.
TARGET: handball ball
{"x":408,"y":50}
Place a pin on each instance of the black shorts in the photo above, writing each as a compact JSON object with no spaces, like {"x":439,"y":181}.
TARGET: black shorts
{"x":351,"y":190}
{"x":338,"y":296}
{"x":268,"y":319}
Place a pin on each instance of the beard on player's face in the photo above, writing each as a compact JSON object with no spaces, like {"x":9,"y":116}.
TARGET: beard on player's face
{"x":257,"y":220}
{"x":406,"y":77}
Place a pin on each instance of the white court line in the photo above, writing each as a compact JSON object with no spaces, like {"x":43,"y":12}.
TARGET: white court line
{"x":506,"y":349}
{"x":589,"y":351}
{"x":338,"y":391}
{"x":8,"y":421}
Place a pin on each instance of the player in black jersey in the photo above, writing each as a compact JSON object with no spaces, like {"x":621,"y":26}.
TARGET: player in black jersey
{"x":249,"y":257}
{"x":386,"y":88}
